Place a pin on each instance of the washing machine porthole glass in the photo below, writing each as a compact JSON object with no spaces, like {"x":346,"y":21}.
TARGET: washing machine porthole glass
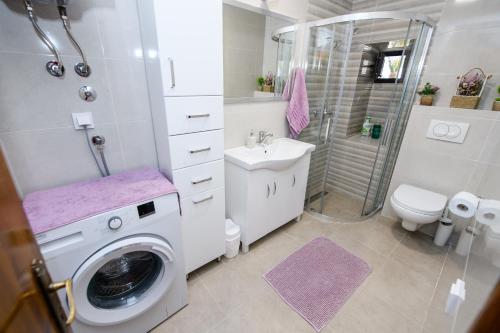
{"x":121,"y":281}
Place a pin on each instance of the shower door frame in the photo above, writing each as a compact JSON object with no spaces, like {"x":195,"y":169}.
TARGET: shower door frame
{"x":382,"y":188}
{"x":352,"y":18}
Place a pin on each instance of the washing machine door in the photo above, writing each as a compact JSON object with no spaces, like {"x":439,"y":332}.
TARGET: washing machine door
{"x":123,"y":279}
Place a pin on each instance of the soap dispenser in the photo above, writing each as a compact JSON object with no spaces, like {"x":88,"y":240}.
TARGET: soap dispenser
{"x":251,"y":141}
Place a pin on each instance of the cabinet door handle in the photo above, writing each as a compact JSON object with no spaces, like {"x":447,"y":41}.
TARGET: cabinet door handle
{"x":293,"y":184}
{"x":194,"y":151}
{"x":203,"y":200}
{"x":204,"y":115}
{"x":268,"y":191}
{"x":274,"y":191}
{"x":172,"y":72}
{"x":195,"y":182}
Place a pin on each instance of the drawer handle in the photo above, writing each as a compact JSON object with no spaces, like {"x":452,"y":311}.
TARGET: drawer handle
{"x":172,"y":72}
{"x":293,"y":181}
{"x":194,"y":151}
{"x":274,"y":191}
{"x":195,"y":182}
{"x":203,"y":200}
{"x":204,"y":115}
{"x":268,"y":191}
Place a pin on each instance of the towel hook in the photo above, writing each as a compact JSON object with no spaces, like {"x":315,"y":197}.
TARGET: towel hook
{"x":54,"y":67}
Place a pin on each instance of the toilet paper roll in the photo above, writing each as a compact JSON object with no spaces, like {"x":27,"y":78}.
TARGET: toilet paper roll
{"x":464,"y":204}
{"x":488,"y":212}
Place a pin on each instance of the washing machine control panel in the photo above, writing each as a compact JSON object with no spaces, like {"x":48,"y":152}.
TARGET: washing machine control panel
{"x":115,"y":223}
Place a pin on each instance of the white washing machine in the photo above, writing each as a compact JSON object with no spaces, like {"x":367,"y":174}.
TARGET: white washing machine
{"x":127,"y":266}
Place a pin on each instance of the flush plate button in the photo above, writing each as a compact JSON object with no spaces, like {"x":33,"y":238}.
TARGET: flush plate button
{"x":447,"y":131}
{"x":115,"y":223}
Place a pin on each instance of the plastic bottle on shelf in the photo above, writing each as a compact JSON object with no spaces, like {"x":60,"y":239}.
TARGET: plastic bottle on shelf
{"x":367,"y":126}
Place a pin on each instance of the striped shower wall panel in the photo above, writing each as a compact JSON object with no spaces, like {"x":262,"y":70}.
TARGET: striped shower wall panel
{"x":352,"y":160}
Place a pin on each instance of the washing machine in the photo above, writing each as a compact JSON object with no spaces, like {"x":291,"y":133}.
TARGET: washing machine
{"x":127,"y":266}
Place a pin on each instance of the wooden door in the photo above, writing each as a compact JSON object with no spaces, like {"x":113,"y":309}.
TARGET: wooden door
{"x":26,"y":302}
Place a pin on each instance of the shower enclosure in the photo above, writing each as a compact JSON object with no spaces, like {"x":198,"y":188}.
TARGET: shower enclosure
{"x":359,"y":65}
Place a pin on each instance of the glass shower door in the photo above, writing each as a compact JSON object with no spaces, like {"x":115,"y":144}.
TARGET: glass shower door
{"x":416,"y":43}
{"x":327,"y":53}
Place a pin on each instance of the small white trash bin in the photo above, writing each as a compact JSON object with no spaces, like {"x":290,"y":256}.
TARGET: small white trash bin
{"x":232,"y":239}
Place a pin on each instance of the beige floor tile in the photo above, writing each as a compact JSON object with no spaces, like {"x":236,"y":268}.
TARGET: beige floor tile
{"x":402,"y":294}
{"x":231,"y":287}
{"x":309,"y":228}
{"x":419,"y":252}
{"x":453,"y":269}
{"x":268,"y":314}
{"x":200,"y":315}
{"x":437,"y":320}
{"x":403,"y":288}
{"x":366,"y":312}
{"x":380,"y":237}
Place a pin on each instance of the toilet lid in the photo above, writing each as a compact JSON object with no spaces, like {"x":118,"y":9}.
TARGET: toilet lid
{"x":419,"y":200}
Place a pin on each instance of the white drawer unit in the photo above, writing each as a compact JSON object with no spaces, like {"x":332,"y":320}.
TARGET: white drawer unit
{"x":203,"y":227}
{"x":196,"y":148}
{"x":199,"y":178}
{"x":185,"y":83}
{"x":194,"y":114}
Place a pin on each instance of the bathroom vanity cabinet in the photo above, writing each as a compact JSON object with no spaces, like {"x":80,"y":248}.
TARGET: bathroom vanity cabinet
{"x":262,"y":200}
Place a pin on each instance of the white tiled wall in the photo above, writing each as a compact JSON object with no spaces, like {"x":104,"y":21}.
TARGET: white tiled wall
{"x":35,"y":108}
{"x":466,"y":37}
{"x":447,"y":167}
{"x":240,"y":118}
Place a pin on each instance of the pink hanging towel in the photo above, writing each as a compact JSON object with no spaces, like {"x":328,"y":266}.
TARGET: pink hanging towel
{"x":297,"y":112}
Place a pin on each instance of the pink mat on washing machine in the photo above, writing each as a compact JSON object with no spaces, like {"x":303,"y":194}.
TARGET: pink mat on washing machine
{"x":318,"y":279}
{"x":63,"y":205}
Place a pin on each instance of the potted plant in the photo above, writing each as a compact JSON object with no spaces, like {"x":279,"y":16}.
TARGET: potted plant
{"x":269,"y":83}
{"x":469,"y":89}
{"x":427,"y":94}
{"x":496,"y":102}
{"x":260,"y":83}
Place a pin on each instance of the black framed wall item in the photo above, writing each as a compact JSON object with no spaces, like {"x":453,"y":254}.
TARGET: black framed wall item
{"x":389,"y":63}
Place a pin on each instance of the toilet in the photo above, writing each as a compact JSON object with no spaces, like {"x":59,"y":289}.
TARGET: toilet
{"x":417,"y":206}
{"x":492,"y":244}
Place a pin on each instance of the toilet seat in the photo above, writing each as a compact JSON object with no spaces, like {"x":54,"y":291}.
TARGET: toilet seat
{"x":418,"y":200}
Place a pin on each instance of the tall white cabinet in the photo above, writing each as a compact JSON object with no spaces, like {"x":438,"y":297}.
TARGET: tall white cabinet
{"x":188,"y":115}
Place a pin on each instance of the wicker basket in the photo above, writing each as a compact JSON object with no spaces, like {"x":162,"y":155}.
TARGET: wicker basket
{"x":465,"y":102}
{"x":426,"y":100}
{"x":496,"y":106}
{"x":466,"y":96}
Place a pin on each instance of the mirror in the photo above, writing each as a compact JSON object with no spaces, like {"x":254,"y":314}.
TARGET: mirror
{"x":258,"y":53}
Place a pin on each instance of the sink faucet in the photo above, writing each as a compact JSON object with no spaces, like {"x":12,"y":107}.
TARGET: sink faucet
{"x":263,"y":135}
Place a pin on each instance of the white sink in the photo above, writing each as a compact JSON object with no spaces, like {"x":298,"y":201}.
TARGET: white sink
{"x":279,"y":155}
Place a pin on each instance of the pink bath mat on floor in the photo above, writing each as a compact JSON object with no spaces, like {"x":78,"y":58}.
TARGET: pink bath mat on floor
{"x":317,"y":279}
